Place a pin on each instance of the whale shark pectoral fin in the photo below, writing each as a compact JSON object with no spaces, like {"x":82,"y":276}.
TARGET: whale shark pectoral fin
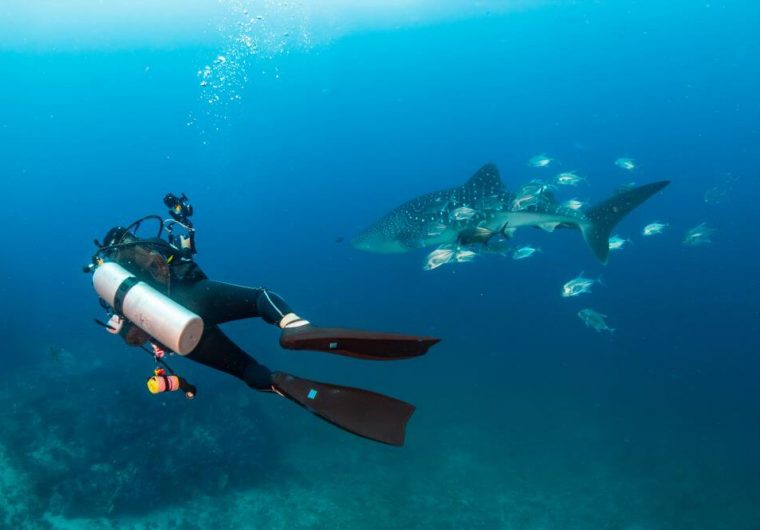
{"x":603,"y":217}
{"x":548,"y":227}
{"x":509,"y":231}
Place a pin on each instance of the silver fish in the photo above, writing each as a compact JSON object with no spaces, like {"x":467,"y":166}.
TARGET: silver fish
{"x":594,"y":320}
{"x":463,"y":213}
{"x":625,"y":163}
{"x":577,"y":286}
{"x":652,"y":229}
{"x":573,"y":204}
{"x":536,"y":187}
{"x":699,"y":235}
{"x":618,"y":243}
{"x":568,"y":178}
{"x":523,"y":202}
{"x":540,"y":161}
{"x":525,"y":252}
{"x":440,"y":256}
{"x":464,"y":256}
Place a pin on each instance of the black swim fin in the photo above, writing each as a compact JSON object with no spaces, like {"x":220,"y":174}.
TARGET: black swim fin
{"x":356,"y":343}
{"x":361,"y":412}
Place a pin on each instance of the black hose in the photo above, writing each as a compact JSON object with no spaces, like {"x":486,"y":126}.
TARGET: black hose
{"x":158,"y":361}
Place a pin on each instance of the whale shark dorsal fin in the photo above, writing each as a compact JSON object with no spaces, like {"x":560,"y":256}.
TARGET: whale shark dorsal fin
{"x":487,"y":177}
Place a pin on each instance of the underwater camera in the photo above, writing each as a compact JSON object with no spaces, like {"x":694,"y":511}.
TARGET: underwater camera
{"x":179,"y":207}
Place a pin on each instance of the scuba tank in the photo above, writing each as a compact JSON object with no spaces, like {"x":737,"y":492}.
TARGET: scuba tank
{"x":174,"y":326}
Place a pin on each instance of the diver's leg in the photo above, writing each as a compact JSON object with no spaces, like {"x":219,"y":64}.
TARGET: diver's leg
{"x":217,"y":351}
{"x":362,"y":412}
{"x":219,"y":302}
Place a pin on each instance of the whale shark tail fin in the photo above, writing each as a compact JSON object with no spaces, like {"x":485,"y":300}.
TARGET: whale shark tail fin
{"x":604,"y":216}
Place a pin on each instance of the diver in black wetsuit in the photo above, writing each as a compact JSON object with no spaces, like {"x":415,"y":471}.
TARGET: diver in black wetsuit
{"x":169,"y":268}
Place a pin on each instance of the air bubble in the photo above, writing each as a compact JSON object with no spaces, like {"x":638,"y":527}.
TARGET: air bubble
{"x":246,"y":36}
{"x":246,"y":40}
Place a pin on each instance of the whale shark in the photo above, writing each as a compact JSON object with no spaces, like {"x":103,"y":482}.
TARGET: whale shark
{"x":484,"y":203}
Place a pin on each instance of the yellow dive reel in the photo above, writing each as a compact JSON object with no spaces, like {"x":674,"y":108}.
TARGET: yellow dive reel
{"x":160,"y":382}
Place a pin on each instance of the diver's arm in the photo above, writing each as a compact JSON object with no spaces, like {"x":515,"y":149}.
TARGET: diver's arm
{"x":187,"y":243}
{"x":132,"y":335}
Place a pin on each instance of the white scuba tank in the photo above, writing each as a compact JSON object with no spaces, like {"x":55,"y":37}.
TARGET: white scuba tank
{"x":174,"y":326}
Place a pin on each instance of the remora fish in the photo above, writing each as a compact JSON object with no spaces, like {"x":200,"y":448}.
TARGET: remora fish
{"x":404,"y":228}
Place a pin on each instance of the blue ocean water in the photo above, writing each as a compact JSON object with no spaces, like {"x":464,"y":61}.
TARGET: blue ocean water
{"x":290,"y":142}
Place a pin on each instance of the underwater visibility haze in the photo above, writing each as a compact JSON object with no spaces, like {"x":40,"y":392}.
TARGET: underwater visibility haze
{"x":562,"y":192}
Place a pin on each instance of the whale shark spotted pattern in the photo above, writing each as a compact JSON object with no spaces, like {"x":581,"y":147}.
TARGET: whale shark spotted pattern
{"x":432,"y":219}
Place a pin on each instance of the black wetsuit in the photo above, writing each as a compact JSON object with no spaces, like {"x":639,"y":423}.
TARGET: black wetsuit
{"x":215,"y":302}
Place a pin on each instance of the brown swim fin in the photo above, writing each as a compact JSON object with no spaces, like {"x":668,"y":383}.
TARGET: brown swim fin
{"x":361,"y":412}
{"x":356,"y":343}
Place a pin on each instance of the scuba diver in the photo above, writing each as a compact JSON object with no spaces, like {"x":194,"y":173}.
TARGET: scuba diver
{"x":158,"y":298}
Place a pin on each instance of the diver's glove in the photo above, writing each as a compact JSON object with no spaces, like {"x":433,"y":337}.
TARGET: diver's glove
{"x":115,"y":324}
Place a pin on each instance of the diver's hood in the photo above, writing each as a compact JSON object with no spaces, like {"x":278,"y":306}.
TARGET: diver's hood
{"x":114,"y":236}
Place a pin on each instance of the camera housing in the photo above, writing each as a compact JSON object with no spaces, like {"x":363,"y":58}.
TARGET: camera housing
{"x":179,"y":207}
